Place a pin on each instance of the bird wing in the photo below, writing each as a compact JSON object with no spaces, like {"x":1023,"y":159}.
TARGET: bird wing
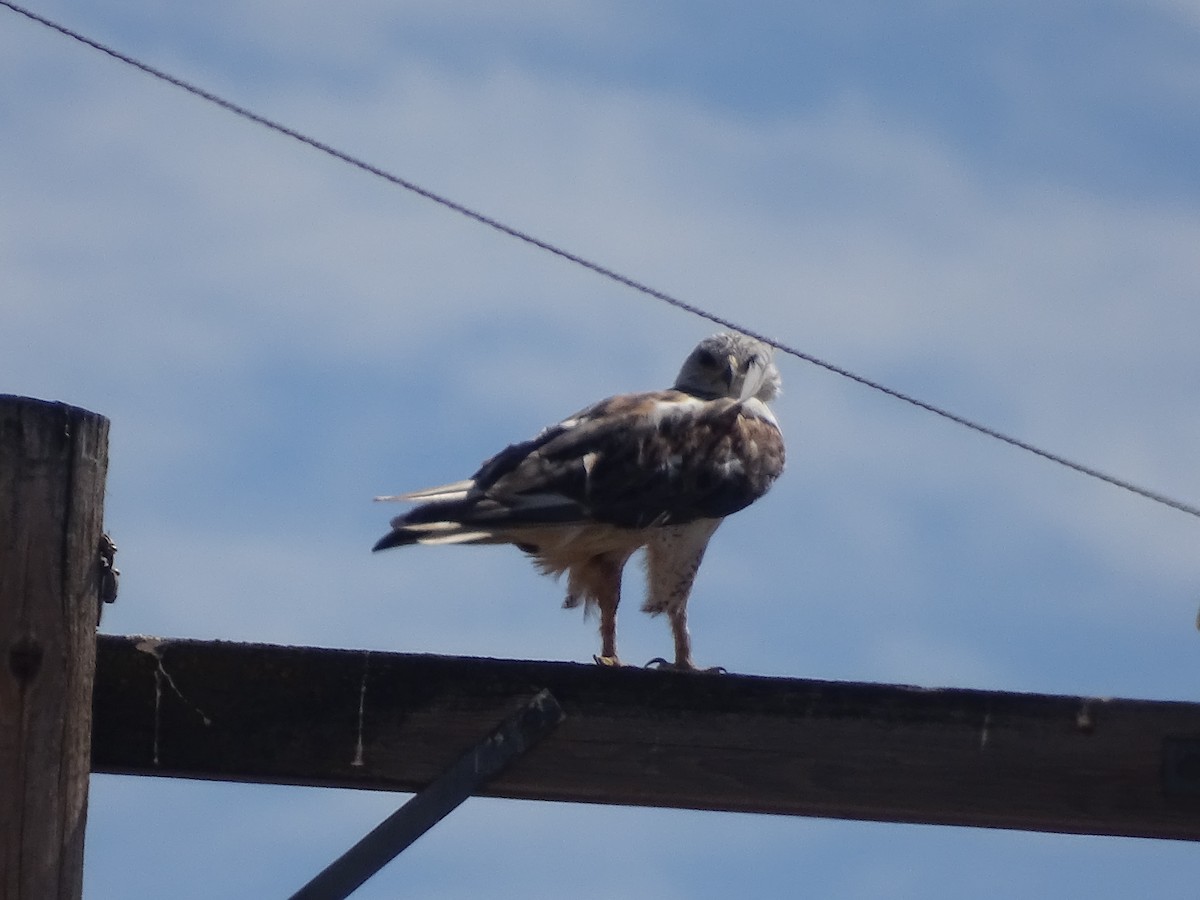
{"x":635,"y":460}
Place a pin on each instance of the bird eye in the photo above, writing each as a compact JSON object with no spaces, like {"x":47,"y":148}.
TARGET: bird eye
{"x":706,"y":358}
{"x":751,"y":361}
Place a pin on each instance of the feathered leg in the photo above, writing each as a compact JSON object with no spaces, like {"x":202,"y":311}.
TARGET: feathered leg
{"x":598,"y":581}
{"x":673,"y":557}
{"x":608,"y":598}
{"x":608,"y":636}
{"x":683,"y":638}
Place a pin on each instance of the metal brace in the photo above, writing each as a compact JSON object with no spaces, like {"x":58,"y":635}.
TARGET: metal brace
{"x":109,"y":575}
{"x":438,"y":799}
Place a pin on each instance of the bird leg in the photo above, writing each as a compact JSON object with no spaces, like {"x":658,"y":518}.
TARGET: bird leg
{"x":673,"y":555}
{"x":683,"y":638}
{"x":683,"y":646}
{"x":683,"y":643}
{"x":608,"y":635}
{"x":607,"y":588}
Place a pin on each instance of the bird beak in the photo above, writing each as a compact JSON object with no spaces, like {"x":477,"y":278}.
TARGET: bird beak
{"x":751,"y":381}
{"x":731,"y":368}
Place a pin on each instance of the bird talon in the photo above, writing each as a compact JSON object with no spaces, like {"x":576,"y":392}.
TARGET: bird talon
{"x":607,"y":662}
{"x":663,"y":665}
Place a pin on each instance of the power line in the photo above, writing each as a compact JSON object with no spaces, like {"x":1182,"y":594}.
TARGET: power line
{"x":597,"y":268}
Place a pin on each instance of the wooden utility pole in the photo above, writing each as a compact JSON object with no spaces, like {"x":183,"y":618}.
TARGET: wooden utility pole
{"x":53,"y":460}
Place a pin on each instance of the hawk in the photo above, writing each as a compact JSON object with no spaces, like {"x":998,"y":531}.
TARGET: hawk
{"x":658,"y":470}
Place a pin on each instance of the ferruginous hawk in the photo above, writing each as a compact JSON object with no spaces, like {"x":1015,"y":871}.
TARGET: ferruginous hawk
{"x":658,"y":470}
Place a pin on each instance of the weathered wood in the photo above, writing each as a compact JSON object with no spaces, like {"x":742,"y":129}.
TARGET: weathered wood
{"x":296,"y":715}
{"x":53,"y":460}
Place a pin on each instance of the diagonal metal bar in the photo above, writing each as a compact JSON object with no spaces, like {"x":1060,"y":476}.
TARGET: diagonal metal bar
{"x":514,"y":737}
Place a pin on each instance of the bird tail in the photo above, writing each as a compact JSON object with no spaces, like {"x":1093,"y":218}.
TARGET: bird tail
{"x":438,"y":520}
{"x":431,"y":533}
{"x":456,"y":491}
{"x":459,"y":513}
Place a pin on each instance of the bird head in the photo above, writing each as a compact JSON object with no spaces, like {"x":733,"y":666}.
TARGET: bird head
{"x":730,"y":365}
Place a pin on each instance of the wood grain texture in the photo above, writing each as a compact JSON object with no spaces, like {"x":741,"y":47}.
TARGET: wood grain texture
{"x":243,"y":712}
{"x":53,"y":461}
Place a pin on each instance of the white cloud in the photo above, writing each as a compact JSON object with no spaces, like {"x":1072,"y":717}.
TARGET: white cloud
{"x":198,"y":251}
{"x":278,"y":337}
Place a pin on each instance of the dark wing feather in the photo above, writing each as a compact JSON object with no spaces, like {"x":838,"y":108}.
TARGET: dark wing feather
{"x":635,"y":460}
{"x":638,"y":460}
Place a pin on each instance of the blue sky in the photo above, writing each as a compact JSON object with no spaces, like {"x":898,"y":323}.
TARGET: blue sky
{"x":991,"y":206}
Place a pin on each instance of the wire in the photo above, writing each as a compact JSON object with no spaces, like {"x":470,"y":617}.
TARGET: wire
{"x":600,"y":269}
